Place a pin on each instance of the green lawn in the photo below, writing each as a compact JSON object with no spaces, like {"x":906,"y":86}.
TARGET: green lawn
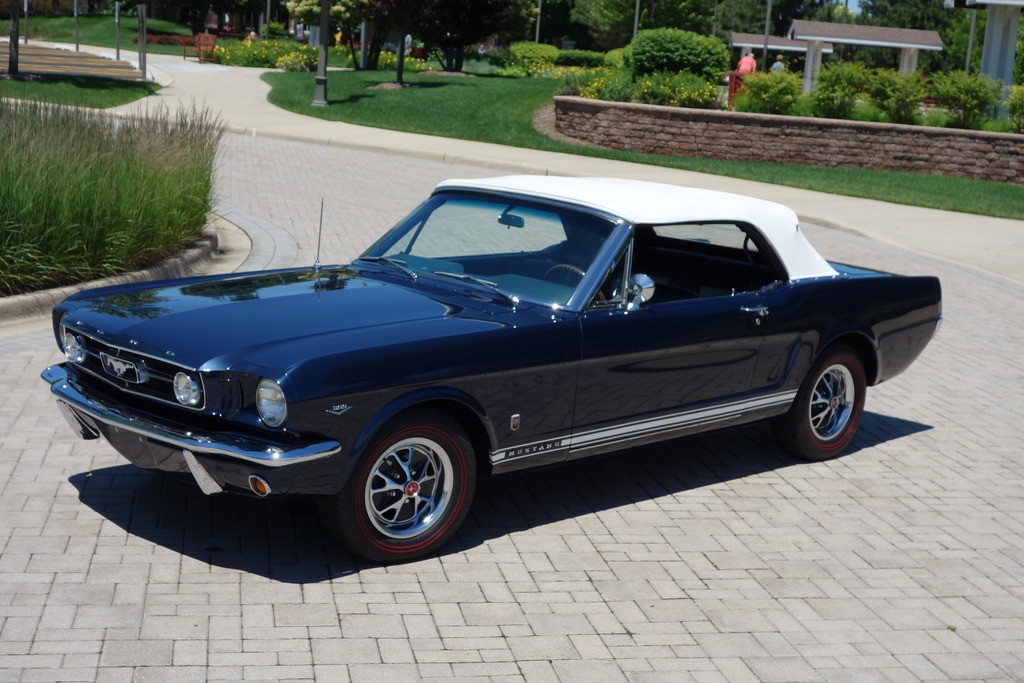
{"x":100,"y":30}
{"x":500,"y":110}
{"x":80,"y":91}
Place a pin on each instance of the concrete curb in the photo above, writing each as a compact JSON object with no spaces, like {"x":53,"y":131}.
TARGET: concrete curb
{"x":32,"y":304}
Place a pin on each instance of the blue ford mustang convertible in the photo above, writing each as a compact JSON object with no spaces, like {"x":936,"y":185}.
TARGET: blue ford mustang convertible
{"x":506,"y":323}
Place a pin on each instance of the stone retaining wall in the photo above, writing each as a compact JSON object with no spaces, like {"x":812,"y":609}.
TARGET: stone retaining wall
{"x":792,"y":140}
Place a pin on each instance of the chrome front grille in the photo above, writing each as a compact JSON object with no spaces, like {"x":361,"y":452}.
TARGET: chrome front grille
{"x":133,"y":372}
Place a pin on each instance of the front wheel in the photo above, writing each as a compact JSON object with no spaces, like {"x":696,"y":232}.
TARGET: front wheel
{"x":824,"y":417}
{"x":408,"y":493}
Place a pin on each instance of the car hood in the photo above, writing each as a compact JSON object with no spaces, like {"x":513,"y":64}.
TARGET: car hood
{"x":211,"y":323}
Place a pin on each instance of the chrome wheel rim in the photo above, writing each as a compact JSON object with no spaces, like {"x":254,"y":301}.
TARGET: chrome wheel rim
{"x":409,"y":488}
{"x":832,"y":402}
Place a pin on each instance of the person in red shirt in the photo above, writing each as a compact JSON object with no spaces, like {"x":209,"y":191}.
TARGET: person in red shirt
{"x":746,"y":65}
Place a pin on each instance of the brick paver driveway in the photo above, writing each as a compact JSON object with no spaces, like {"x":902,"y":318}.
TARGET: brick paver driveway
{"x":711,"y":558}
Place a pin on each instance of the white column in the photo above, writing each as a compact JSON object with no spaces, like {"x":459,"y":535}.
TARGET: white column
{"x":1000,"y":42}
{"x":812,"y":65}
{"x":908,"y":60}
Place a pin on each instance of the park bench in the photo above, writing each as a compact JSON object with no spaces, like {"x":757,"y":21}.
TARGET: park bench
{"x":202,"y":44}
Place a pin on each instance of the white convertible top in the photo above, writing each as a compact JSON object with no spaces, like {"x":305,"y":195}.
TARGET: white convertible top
{"x":643,"y":202}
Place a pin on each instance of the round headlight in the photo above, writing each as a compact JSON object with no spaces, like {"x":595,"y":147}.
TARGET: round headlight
{"x":73,"y":350}
{"x":271,"y":403}
{"x":186,"y":389}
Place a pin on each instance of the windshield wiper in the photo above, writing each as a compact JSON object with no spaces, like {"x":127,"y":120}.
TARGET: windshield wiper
{"x":400,"y":265}
{"x":493,"y":286}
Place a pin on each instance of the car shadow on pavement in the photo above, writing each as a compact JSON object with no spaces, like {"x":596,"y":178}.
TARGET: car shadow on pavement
{"x":283,"y":540}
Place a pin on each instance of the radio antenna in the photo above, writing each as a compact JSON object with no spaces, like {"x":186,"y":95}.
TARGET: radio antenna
{"x":319,"y":235}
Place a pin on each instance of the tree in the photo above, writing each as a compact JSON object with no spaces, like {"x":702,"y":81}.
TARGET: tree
{"x":456,"y":24}
{"x":12,"y":48}
{"x":747,"y":16}
{"x":404,"y":15}
{"x":611,"y":21}
{"x":346,"y":14}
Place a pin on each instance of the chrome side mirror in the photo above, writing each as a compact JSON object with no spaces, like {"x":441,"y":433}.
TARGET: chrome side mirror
{"x":641,"y":289}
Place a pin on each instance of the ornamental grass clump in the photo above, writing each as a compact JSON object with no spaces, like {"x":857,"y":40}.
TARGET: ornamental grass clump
{"x":87,"y":196}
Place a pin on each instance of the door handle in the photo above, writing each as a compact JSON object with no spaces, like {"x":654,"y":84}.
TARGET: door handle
{"x":759,"y":311}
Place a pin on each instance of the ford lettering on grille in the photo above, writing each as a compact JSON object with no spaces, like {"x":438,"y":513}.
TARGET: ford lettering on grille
{"x":133,"y":371}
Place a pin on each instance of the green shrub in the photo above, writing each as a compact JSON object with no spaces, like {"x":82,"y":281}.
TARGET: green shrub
{"x":775,"y":92}
{"x":277,"y":29}
{"x":297,"y":61}
{"x":675,"y":90}
{"x":968,"y":97}
{"x":897,"y":95}
{"x":1015,"y":108}
{"x":585,"y":58}
{"x":532,"y":57}
{"x":86,"y":195}
{"x":498,"y":57}
{"x":614,"y":58}
{"x":673,"y":49}
{"x":839,"y":86}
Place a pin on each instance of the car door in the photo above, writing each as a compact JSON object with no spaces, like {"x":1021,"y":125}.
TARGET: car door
{"x":683,"y":359}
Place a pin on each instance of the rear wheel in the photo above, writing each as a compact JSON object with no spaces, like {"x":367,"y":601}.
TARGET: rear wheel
{"x":409,"y":492}
{"x":824,"y":417}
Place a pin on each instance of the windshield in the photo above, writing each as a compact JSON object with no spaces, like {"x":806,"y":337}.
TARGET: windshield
{"x":524,"y":249}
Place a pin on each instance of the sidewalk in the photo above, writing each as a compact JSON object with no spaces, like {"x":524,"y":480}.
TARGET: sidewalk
{"x":238,"y":95}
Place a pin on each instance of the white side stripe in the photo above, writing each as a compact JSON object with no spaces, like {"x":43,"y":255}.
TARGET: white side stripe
{"x":652,"y":425}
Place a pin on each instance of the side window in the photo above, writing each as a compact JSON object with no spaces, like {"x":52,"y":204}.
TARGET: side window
{"x":725,"y":235}
{"x":699,"y":260}
{"x":612,"y":291}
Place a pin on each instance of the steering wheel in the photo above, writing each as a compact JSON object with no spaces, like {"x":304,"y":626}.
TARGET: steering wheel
{"x":567,"y":266}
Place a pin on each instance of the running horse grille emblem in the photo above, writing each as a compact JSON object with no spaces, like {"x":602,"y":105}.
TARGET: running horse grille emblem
{"x":133,"y":372}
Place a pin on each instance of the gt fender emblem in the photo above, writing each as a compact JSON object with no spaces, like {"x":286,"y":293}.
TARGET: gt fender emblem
{"x":339,"y":409}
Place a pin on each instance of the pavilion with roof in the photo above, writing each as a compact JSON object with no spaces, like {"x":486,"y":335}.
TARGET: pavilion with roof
{"x":909,"y":41}
{"x":748,"y":42}
{"x":1001,"y":31}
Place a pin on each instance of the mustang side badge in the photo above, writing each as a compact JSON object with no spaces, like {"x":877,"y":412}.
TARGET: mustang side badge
{"x":339,"y":409}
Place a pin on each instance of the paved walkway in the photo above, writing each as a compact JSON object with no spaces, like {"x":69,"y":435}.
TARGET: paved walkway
{"x":714,"y":558}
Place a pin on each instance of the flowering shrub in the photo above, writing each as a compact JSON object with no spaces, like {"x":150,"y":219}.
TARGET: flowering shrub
{"x":388,"y":60}
{"x":258,"y":53}
{"x":552,"y":71}
{"x":616,"y":85}
{"x":298,"y":61}
{"x":675,"y":90}
{"x":532,"y":57}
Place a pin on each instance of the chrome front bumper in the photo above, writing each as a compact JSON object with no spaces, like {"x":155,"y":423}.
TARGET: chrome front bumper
{"x":75,"y":405}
